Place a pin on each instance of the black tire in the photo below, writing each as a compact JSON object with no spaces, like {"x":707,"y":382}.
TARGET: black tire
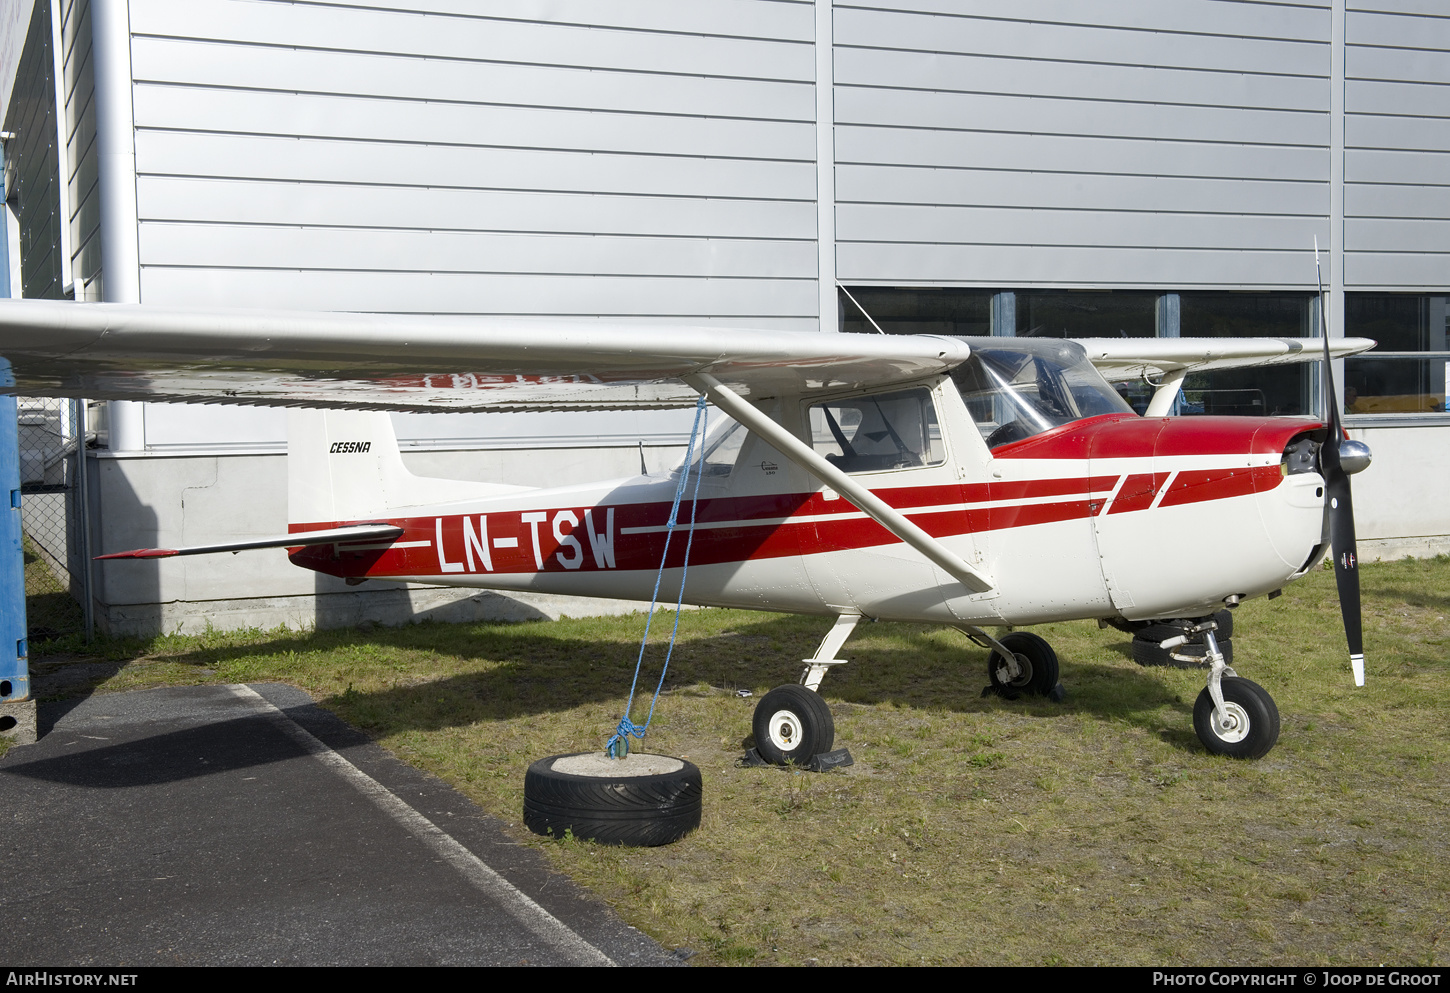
{"x":613,"y":807}
{"x":792,"y":724}
{"x":1256,"y":720}
{"x":1147,"y":653}
{"x":1039,"y":665}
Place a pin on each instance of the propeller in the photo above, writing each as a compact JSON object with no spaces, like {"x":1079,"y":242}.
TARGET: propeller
{"x":1337,"y":459}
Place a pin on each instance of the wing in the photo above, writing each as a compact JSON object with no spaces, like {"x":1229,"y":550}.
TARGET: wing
{"x":389,"y":362}
{"x":1154,"y":358}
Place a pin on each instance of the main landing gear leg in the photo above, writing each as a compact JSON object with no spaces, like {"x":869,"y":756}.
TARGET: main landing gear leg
{"x":1234,"y":716}
{"x":793,"y":725}
{"x":1020,"y":663}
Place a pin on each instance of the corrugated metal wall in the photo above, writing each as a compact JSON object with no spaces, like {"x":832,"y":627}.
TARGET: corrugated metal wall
{"x":1140,"y":143}
{"x":82,"y":167}
{"x":32,"y":163}
{"x":1397,"y":145}
{"x":636,"y":159}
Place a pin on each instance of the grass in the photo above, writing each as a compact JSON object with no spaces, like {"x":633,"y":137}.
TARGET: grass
{"x":970,"y":830}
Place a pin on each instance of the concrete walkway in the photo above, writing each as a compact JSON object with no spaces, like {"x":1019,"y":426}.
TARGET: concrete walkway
{"x":216,"y":825}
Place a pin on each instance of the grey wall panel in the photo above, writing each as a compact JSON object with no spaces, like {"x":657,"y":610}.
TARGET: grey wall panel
{"x":1397,"y":234}
{"x":377,"y":119}
{"x":171,"y":198}
{"x":216,"y":64}
{"x":1185,"y":142}
{"x":251,"y":157}
{"x":1091,"y":266}
{"x":1224,"y":51}
{"x":406,"y":33}
{"x":511,"y":294}
{"x":395,"y":250}
{"x":1250,"y":18}
{"x":1026,"y":77}
{"x":739,"y":18}
{"x":1079,"y":191}
{"x":905,"y":224}
{"x":997,"y":112}
{"x":1397,"y":149}
{"x":1374,"y":200}
{"x":1399,"y":27}
{"x":1405,"y":131}
{"x":1396,"y":272}
{"x":1410,"y":65}
{"x":1376,"y":165}
{"x":1027,"y":153}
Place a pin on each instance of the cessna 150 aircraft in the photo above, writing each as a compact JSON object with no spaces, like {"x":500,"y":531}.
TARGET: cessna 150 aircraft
{"x":972,"y":482}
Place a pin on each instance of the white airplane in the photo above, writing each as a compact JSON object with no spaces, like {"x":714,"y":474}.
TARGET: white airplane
{"x":971,"y":482}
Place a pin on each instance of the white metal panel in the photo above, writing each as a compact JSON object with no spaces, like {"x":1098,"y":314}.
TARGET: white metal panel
{"x":451,"y":293}
{"x":1400,"y":235}
{"x":998,"y":112}
{"x":1407,"y":64}
{"x":1079,"y":191}
{"x":736,"y":18}
{"x":1402,"y":272}
{"x":371,"y":74}
{"x":263,"y":157}
{"x":1027,"y":153}
{"x":1379,"y":200}
{"x":396,"y":250}
{"x":1104,"y":81}
{"x":475,"y":38}
{"x":1250,"y":18}
{"x":940,"y":225}
{"x":1397,"y":28}
{"x":1403,"y":132}
{"x":1090,"y":266}
{"x":376,"y":119}
{"x":1381,"y":166}
{"x":1070,"y":42}
{"x":185,"y":198}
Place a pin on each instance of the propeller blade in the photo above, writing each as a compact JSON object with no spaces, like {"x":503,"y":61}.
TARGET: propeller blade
{"x":1338,"y":505}
{"x":1340,"y":508}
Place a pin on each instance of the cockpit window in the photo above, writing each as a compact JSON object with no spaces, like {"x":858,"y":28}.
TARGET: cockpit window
{"x":881,"y":431}
{"x":716,"y":455}
{"x":1019,"y":390}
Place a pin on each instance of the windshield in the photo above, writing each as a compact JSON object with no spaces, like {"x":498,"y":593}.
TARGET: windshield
{"x":1017,"y":390}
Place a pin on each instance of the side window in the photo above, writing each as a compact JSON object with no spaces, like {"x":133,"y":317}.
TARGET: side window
{"x":883,"y":431}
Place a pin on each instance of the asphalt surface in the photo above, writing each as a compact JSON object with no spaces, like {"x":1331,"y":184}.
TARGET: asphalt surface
{"x":215,"y":825}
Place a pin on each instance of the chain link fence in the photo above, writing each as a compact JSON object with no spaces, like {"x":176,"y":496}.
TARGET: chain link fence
{"x":52,"y":514}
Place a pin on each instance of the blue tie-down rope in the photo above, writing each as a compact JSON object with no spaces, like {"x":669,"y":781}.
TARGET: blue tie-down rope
{"x":618,"y":746}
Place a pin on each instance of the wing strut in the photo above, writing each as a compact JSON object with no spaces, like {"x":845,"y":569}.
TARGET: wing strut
{"x":867,"y":502}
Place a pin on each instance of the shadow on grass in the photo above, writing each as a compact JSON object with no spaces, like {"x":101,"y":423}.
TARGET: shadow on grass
{"x":534,"y":670}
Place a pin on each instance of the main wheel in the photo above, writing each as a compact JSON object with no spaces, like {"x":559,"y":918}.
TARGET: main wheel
{"x":1250,"y":724}
{"x":642,"y":800}
{"x":1035,"y":658}
{"x":793,"y":724}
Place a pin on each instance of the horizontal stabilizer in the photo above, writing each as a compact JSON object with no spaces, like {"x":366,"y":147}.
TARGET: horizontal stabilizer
{"x":330,"y":536}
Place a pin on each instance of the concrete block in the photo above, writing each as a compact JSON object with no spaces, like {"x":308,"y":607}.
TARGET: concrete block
{"x":17,"y":721}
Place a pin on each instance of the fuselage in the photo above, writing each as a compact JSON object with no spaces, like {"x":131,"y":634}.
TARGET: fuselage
{"x":1112,"y":515}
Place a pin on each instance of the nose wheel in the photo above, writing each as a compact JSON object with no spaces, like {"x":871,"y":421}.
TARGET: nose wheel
{"x":1245,"y":727}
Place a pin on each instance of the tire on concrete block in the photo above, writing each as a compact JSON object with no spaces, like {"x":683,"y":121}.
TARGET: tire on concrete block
{"x":642,"y":800}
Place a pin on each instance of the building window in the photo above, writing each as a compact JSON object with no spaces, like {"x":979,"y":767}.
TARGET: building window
{"x":946,"y":310}
{"x":1289,"y":389}
{"x":1086,"y":314}
{"x":1406,"y":373}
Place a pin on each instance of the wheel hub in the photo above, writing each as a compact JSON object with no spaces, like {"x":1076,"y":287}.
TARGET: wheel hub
{"x":1231,"y":722}
{"x":785,"y":730}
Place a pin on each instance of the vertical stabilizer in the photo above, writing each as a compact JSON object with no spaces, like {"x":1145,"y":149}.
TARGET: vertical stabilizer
{"x":345,"y":466}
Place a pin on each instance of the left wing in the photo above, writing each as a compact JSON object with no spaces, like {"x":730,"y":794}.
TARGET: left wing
{"x":1153,"y":358}
{"x":1164,"y":362}
{"x":389,"y":362}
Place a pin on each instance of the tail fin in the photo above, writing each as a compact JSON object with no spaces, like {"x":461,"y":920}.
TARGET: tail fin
{"x":345,"y":466}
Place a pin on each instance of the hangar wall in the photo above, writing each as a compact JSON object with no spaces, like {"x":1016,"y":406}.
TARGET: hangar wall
{"x":659,"y":161}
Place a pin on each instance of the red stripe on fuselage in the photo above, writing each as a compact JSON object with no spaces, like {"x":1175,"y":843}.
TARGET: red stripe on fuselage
{"x":755,"y":527}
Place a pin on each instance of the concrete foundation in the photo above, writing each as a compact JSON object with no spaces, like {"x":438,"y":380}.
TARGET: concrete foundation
{"x":17,"y":721}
